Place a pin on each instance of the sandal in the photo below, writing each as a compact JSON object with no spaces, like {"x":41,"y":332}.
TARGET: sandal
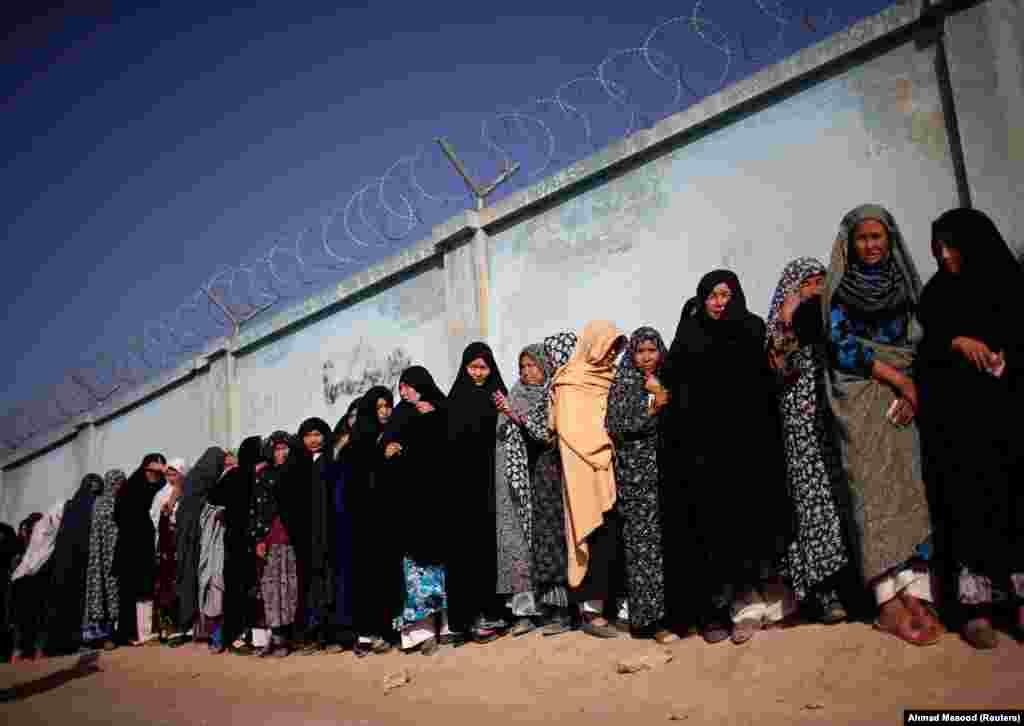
{"x":907,"y":628}
{"x":522,"y":627}
{"x":980,"y":634}
{"x":665,"y":636}
{"x":715,"y":632}
{"x":430,"y":646}
{"x":602,"y":630}
{"x":744,"y":630}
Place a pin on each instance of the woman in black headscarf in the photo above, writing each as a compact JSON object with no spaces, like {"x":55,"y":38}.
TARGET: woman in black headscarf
{"x":200,"y":480}
{"x":724,"y":460}
{"x":270,"y":538}
{"x":343,"y":429}
{"x":234,"y":493}
{"x":413,"y":443}
{"x":70,"y":563}
{"x":309,"y":502}
{"x":135,"y":558}
{"x":970,"y":370}
{"x":374,"y":571}
{"x":472,"y":572}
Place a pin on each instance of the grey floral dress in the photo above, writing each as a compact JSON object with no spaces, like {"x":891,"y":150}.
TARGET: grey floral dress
{"x":635,"y":434}
{"x":813,"y":471}
{"x":102,"y":604}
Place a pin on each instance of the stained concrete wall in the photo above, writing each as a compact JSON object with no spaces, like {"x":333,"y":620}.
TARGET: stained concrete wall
{"x":747,"y":179}
{"x":986,"y":63}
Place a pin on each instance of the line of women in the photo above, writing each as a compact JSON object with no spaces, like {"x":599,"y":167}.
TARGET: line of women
{"x":850,"y":456}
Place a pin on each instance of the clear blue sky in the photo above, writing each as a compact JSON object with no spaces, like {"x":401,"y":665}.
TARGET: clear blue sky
{"x":143,"y":148}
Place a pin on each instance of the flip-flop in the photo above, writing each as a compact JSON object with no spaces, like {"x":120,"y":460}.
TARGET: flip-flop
{"x":715,"y":633}
{"x":665,"y":637}
{"x":896,"y":633}
{"x":745,"y":630}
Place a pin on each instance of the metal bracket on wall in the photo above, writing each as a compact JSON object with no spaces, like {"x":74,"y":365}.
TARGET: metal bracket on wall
{"x":933,"y":32}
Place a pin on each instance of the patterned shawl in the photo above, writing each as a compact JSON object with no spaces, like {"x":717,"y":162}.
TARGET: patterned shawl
{"x":523,"y":398}
{"x":558,"y":349}
{"x":627,"y":399}
{"x":102,"y":598}
{"x":793,"y":275}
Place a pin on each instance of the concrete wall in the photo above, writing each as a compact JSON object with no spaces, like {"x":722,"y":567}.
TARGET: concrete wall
{"x":746,"y":179}
{"x":750,"y":197}
{"x":986,"y":64}
{"x":321,"y":368}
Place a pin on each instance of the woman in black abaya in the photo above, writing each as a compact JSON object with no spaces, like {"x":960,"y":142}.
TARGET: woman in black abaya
{"x":135,"y":557}
{"x":472,"y":560}
{"x":70,"y":564}
{"x":726,"y":507}
{"x":234,"y":493}
{"x":970,"y":371}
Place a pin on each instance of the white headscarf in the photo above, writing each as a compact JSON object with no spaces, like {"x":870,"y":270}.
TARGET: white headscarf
{"x":164,"y":494}
{"x":41,"y":544}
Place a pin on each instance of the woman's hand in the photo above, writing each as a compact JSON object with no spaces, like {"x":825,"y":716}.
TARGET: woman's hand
{"x":652,"y":384}
{"x":976,"y":352}
{"x":423,"y":407}
{"x":261,"y":550}
{"x":661,"y":399}
{"x":789,"y":305}
{"x":393,"y":448}
{"x":776,"y":359}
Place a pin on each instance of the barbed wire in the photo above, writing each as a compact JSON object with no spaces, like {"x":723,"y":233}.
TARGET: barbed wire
{"x":384,"y":212}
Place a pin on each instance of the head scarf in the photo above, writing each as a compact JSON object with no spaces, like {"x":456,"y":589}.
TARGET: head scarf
{"x":580,"y":400}
{"x":463,"y":382}
{"x":793,"y":275}
{"x":982,"y":300}
{"x":984,"y":254}
{"x":524,"y":396}
{"x":112,"y":478}
{"x":200,"y":480}
{"x":419,"y":379}
{"x":343,"y":427}
{"x":70,"y":562}
{"x":890,"y":287}
{"x":316,"y":424}
{"x":368,"y":427}
{"x":471,"y":408}
{"x":627,"y":399}
{"x":41,"y":544}
{"x":278,"y":437}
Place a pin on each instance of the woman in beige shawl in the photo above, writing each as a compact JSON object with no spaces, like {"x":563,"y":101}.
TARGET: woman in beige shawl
{"x":579,"y":393}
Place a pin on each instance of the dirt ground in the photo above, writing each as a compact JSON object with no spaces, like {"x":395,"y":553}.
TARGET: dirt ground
{"x":810,"y":674}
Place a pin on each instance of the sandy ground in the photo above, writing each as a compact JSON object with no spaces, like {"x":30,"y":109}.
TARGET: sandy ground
{"x":809,"y":674}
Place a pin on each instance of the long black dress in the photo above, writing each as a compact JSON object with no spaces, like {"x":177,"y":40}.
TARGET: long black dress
{"x":70,"y":564}
{"x":135,"y":554}
{"x":308,"y":513}
{"x":725,"y":503}
{"x":970,"y":419}
{"x":234,"y":493}
{"x":376,"y":563}
{"x":472,"y":560}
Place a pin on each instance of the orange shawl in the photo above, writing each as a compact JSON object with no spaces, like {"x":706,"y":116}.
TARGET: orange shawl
{"x":579,"y":400}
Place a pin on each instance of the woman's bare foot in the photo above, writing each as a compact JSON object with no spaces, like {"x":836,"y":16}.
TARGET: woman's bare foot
{"x":894,"y":618}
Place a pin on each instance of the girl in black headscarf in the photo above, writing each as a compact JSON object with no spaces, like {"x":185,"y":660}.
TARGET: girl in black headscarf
{"x":472,"y":561}
{"x":343,"y":429}
{"x":270,"y":538}
{"x":70,"y":563}
{"x":970,"y":371}
{"x":135,"y":557}
{"x":234,"y":493}
{"x":200,"y":480}
{"x":374,"y":572}
{"x":413,"y":443}
{"x":310,"y":503}
{"x":726,"y":507}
